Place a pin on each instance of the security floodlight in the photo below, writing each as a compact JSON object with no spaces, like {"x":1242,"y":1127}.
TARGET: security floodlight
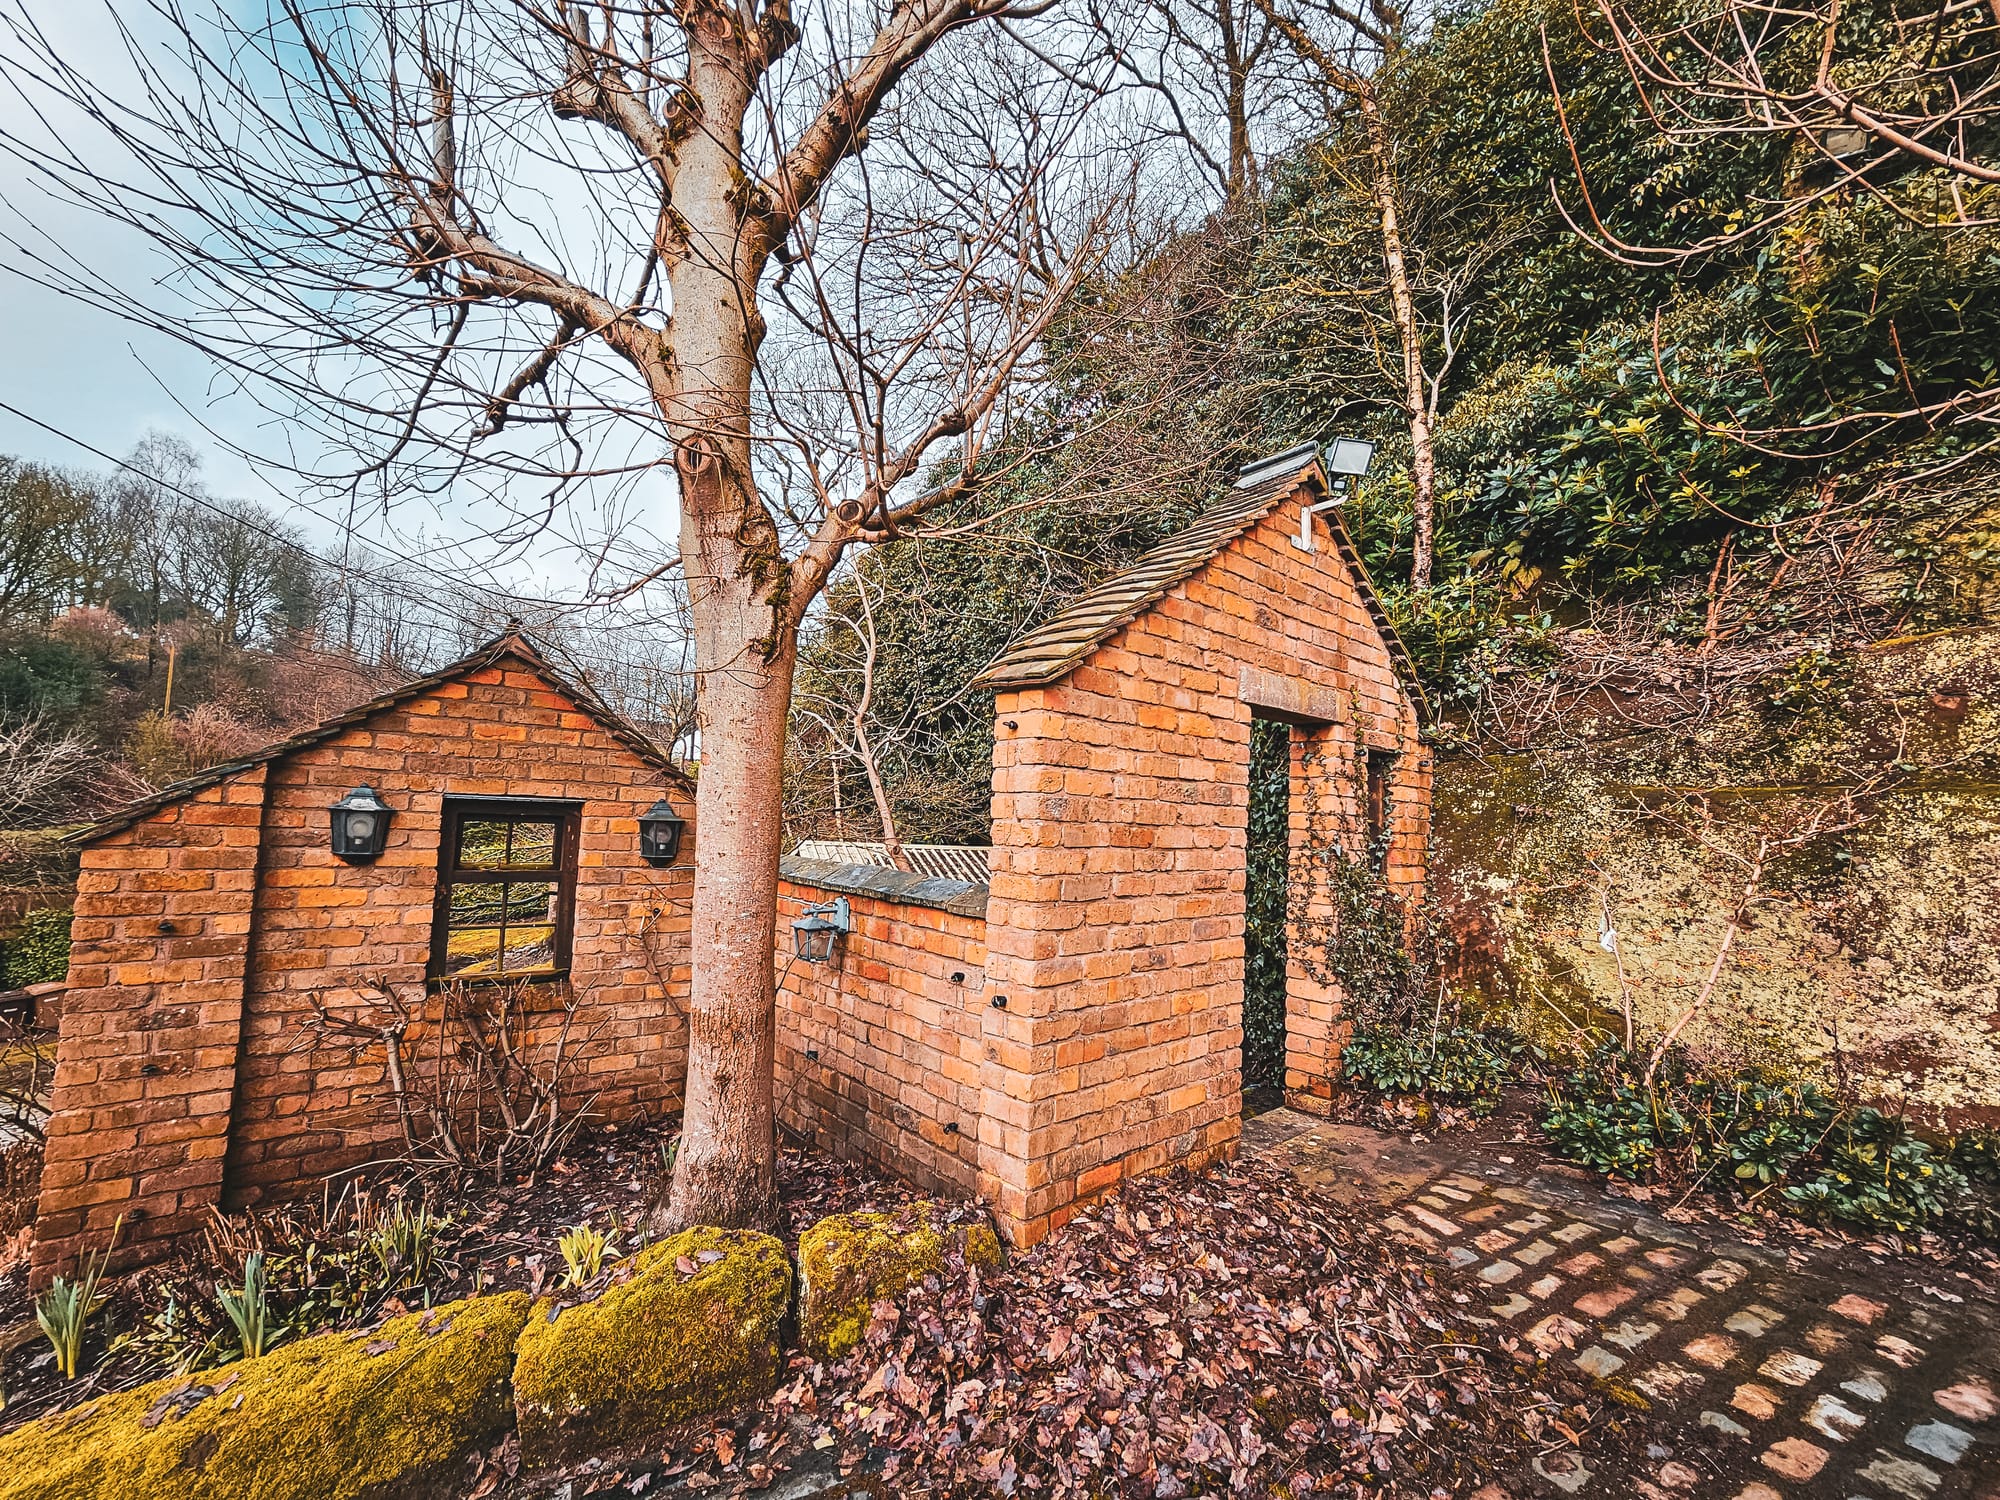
{"x":1345,"y":459}
{"x":360,"y":825}
{"x":1349,"y":456}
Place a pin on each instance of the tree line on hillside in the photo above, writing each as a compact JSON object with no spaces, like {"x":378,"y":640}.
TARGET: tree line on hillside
{"x":150,"y":628}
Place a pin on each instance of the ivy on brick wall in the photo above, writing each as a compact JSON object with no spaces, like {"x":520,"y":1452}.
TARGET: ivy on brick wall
{"x":1350,"y":928}
{"x":38,"y":952}
{"x":1347,"y":925}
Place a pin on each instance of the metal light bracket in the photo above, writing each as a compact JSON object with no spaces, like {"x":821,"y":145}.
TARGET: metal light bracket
{"x":1304,"y":540}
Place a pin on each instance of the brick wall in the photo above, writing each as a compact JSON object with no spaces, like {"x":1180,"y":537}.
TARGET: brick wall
{"x":222,"y":1101}
{"x":323,"y":923}
{"x":898,"y":1022}
{"x":1113,"y":930}
{"x":146,"y":1057}
{"x":1120,"y":812}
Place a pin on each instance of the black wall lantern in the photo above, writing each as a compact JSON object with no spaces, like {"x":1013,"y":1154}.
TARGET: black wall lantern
{"x":819,"y":928}
{"x":660,"y":830}
{"x":360,"y":825}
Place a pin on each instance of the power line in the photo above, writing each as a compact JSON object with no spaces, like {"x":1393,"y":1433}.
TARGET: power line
{"x":386,"y":582}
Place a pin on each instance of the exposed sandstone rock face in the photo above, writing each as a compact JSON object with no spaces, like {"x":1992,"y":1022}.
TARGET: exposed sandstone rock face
{"x":1874,"y":947}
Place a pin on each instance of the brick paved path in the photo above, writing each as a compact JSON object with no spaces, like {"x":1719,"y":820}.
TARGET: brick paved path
{"x":1769,"y":1383}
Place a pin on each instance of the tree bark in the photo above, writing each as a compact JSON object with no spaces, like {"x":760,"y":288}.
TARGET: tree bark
{"x":739,"y":586}
{"x":1242,"y":184}
{"x":725,"y":1170}
{"x":1386,"y":32}
{"x":1403,"y":309}
{"x":892,"y":842}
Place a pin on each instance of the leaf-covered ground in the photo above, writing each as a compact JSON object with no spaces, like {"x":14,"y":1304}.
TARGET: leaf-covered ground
{"x":1225,"y":1332}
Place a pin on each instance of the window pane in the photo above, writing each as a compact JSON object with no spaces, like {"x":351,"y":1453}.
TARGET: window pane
{"x":528,"y":950}
{"x":507,"y":843}
{"x":531,"y":902}
{"x":472,"y":951}
{"x":534,"y":844}
{"x":477,"y":906}
{"x":496,"y":925}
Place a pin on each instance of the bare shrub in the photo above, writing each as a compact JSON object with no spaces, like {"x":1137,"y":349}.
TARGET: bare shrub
{"x":171,"y":747}
{"x":45,"y":774}
{"x":478,"y":1075}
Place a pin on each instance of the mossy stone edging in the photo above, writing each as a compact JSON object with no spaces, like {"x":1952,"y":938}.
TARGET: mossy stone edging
{"x":693,"y":1332}
{"x":335,"y":1417}
{"x":850,"y":1261}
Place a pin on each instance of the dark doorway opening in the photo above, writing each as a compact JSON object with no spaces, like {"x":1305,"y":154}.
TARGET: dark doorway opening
{"x":1266,"y":892}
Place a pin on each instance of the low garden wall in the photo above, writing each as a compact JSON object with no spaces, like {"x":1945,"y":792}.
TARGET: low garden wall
{"x":881,"y":1051}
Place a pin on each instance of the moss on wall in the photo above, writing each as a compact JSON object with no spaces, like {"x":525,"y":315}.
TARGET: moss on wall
{"x":848,"y":1261}
{"x":1876,"y":956}
{"x":693,"y":1332}
{"x":335,"y":1417}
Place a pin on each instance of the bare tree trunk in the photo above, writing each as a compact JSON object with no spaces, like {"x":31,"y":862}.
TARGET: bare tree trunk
{"x":746,"y":650}
{"x":862,"y":744}
{"x":1403,"y":308}
{"x":1385,"y":31}
{"x":725,"y":1171}
{"x":1236,"y":102}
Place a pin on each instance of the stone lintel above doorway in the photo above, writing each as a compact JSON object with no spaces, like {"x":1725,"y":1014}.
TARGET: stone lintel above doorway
{"x":1288,"y":698}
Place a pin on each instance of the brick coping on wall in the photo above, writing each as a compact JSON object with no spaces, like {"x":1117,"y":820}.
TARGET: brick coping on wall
{"x":960,"y":897}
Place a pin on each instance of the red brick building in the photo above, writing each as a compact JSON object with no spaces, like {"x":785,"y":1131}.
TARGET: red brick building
{"x":1074,"y":1019}
{"x":1080,"y":1019}
{"x":212,"y":919}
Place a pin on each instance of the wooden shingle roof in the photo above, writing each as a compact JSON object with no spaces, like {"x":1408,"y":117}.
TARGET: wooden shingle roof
{"x":1054,"y":649}
{"x":512,"y":643}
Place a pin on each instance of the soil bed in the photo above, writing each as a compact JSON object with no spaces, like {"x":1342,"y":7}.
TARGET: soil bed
{"x":488,"y":1237}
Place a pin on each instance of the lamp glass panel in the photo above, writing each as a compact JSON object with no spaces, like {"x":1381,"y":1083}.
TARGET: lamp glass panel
{"x":1349,"y":456}
{"x":360,"y":829}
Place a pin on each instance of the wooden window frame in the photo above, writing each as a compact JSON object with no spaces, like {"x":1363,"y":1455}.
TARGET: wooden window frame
{"x":567,"y":815}
{"x":1378,"y":776}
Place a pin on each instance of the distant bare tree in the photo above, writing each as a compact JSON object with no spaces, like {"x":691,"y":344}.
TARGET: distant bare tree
{"x":1212,"y":70}
{"x":1343,"y":45}
{"x":483,"y":243}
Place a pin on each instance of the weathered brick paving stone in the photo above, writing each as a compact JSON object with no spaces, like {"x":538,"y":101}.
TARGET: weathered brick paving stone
{"x":1766,"y":1383}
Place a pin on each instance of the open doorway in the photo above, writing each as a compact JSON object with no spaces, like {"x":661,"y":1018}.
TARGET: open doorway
{"x":1266,"y":898}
